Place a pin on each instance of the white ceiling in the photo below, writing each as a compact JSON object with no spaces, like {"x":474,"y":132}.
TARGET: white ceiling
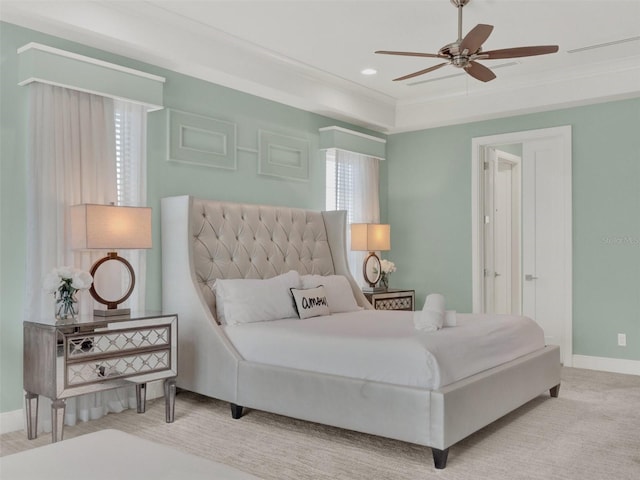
{"x":309,"y":53}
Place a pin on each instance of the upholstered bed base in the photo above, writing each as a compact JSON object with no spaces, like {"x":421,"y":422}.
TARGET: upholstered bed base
{"x":210,"y":365}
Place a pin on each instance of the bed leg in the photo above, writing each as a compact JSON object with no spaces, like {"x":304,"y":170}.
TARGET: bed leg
{"x":440,"y":457}
{"x":554,"y":391}
{"x":236,"y":411}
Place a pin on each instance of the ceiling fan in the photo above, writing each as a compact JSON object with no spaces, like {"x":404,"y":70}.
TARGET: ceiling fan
{"x":464,"y":52}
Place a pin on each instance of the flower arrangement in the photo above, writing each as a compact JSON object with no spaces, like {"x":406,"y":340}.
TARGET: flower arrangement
{"x":387,"y":268}
{"x":63,"y":283}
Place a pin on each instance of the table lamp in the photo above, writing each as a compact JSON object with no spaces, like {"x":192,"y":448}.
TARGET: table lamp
{"x":371,"y":237}
{"x":110,"y":227}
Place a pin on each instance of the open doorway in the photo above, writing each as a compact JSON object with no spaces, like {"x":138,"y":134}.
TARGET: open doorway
{"x":522,"y":229}
{"x":502,"y":229}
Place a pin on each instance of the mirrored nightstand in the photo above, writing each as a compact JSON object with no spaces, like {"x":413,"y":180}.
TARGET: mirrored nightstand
{"x":392,"y":299}
{"x":89,"y":354}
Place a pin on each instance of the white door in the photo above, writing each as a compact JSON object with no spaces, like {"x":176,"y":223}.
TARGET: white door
{"x":544,"y":291}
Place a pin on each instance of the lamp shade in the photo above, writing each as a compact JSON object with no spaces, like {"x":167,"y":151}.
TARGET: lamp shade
{"x":370,"y":237}
{"x":110,"y":227}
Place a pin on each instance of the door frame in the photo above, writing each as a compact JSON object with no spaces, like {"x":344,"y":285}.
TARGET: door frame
{"x":478,"y":148}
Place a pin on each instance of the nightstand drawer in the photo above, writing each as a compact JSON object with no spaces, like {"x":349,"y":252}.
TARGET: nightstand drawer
{"x":392,"y":299}
{"x":117,"y":366}
{"x":97,"y":344}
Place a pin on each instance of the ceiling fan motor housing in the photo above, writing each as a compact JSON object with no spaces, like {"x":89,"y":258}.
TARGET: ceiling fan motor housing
{"x":457,"y":58}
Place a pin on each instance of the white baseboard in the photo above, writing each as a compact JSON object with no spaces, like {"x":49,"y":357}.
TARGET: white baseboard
{"x":16,"y":420}
{"x":12,"y":421}
{"x":614,"y":365}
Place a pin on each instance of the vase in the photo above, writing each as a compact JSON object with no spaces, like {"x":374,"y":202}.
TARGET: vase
{"x":384,"y":281}
{"x":66,"y":306}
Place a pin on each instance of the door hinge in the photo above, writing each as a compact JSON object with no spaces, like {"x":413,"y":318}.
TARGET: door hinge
{"x":487,"y":219}
{"x":486,"y":165}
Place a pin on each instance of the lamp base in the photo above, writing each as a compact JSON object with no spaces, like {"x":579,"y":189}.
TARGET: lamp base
{"x":375,"y":289}
{"x":112,"y":312}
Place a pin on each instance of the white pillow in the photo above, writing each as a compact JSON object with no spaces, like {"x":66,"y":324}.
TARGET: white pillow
{"x":338,"y":288}
{"x":256,"y":300}
{"x":432,"y":316}
{"x":311,"y":302}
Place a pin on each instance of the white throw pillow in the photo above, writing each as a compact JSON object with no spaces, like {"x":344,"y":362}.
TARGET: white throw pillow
{"x":338,"y":288}
{"x":256,"y":300}
{"x":432,"y":316}
{"x":311,"y":302}
{"x":450,"y":318}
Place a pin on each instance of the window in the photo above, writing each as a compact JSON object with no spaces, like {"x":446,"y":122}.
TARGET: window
{"x":130,"y":138}
{"x":340,"y":185}
{"x":130,"y":121}
{"x":352,"y":184}
{"x":120,"y":160}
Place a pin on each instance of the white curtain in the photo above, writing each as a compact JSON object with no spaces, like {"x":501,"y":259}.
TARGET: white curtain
{"x":72,"y":160}
{"x":353,"y":182}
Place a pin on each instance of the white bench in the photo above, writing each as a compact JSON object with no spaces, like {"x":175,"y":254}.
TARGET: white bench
{"x":109,"y":455}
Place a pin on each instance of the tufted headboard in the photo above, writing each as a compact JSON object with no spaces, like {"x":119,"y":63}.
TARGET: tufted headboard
{"x":211,"y":239}
{"x":232,"y":240}
{"x":203,"y":240}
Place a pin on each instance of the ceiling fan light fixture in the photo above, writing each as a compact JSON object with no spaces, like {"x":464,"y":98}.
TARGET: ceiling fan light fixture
{"x":465,"y":51}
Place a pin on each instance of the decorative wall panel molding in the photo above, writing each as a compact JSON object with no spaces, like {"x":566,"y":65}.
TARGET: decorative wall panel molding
{"x":283,"y":156}
{"x":200,"y":140}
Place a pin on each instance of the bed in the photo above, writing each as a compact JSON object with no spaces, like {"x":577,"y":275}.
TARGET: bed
{"x":206,"y":240}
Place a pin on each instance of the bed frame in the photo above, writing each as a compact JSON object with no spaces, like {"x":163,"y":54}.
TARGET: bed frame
{"x":203,"y":240}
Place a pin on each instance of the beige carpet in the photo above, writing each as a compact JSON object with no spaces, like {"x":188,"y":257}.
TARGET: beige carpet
{"x":591,"y":432}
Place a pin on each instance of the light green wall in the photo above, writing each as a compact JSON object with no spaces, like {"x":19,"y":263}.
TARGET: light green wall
{"x":13,"y":180}
{"x":164,"y":178}
{"x":429,"y":208}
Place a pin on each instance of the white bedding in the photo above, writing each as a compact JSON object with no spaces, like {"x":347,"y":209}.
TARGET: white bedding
{"x":384,"y":346}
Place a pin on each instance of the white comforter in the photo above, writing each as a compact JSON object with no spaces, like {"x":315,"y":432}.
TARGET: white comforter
{"x":384,"y":346}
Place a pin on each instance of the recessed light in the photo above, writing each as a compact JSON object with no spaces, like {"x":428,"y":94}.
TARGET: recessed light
{"x":369,"y":71}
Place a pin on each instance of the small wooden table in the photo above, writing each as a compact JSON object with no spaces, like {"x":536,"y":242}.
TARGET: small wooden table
{"x":90,"y":354}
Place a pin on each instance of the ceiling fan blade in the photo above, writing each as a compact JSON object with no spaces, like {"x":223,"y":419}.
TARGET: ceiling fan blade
{"x":519,"y":52}
{"x":475,"y":38}
{"x":421,"y":72}
{"x":411,"y":54}
{"x":479,"y":72}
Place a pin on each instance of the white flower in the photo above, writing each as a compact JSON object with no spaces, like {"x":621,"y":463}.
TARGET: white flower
{"x":81,"y":280}
{"x":67,"y":279}
{"x":65,"y":272}
{"x":387,"y":267}
{"x":51,"y":281}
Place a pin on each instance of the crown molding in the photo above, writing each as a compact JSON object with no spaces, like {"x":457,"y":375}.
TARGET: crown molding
{"x":142,"y":34}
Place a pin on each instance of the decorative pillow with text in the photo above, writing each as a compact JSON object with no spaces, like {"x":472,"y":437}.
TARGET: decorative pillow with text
{"x":311,"y":302}
{"x":338,"y":289}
